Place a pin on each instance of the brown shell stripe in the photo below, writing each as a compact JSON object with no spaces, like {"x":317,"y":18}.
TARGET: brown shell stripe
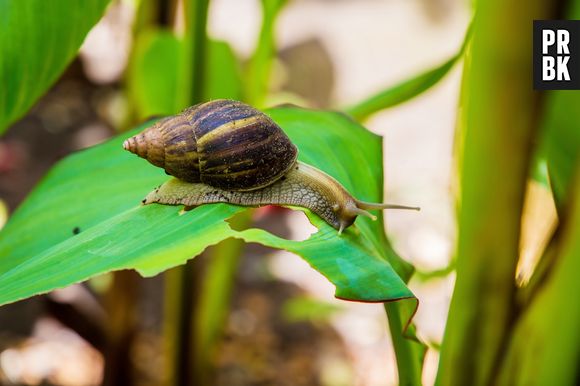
{"x":235,"y":159}
{"x":180,"y":142}
{"x":233,"y":166}
{"x":227,"y":129}
{"x":208,"y":116}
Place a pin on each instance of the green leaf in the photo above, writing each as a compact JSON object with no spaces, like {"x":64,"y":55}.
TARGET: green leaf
{"x":38,"y":39}
{"x":407,"y":89}
{"x":224,"y":74}
{"x":154,"y":78}
{"x":300,"y":309}
{"x":401,"y":92}
{"x":98,"y":192}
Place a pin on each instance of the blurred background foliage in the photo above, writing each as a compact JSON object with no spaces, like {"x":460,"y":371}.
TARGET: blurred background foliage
{"x":222,"y":319}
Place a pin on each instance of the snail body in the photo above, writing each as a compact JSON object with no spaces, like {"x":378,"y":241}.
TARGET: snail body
{"x":226,"y":151}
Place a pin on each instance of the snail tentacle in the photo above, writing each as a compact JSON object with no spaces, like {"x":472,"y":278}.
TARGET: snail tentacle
{"x":379,"y":206}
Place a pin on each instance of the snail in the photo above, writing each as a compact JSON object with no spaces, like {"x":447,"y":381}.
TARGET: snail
{"x":227,"y":151}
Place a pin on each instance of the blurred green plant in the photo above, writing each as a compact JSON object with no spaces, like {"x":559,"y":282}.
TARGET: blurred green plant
{"x":299,"y":309}
{"x":154,"y":52}
{"x":38,"y":39}
{"x":259,"y":68}
{"x":407,"y":89}
{"x":401,"y":92}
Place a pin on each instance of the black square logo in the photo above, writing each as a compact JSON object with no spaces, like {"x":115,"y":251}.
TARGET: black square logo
{"x":557,"y":54}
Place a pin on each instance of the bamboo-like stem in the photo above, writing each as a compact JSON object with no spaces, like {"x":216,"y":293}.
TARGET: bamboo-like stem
{"x":178,"y":307}
{"x":196,"y":37}
{"x":409,"y":353}
{"x":179,"y":295}
{"x":259,"y":68}
{"x":121,"y":306}
{"x":497,"y":125}
{"x":214,"y":298}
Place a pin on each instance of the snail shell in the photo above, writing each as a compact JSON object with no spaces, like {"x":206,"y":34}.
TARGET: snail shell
{"x":223,"y":143}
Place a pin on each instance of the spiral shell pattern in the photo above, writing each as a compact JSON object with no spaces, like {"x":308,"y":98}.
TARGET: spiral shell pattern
{"x":223,"y":143}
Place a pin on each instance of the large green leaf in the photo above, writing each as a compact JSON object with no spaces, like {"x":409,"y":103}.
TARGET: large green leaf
{"x":38,"y":38}
{"x":97,"y":192}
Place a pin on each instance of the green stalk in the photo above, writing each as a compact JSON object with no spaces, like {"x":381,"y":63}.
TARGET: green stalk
{"x":217,"y":283}
{"x":498,"y":123}
{"x":214,"y":298}
{"x":121,"y":305}
{"x":180,"y":289}
{"x":178,"y":307}
{"x":196,"y":43}
{"x":259,"y":68}
{"x":409,"y":352}
{"x":543,"y":348}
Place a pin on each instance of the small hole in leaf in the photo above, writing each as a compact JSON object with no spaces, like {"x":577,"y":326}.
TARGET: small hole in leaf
{"x":283,"y":222}
{"x":238,"y":221}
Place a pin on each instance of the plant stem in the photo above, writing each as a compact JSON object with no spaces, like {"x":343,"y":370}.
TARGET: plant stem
{"x":180,"y":290}
{"x":121,"y":306}
{"x":179,"y":304}
{"x":196,"y":44}
{"x":259,"y":68}
{"x":497,"y":126}
{"x":409,"y":353}
{"x":214,"y":297}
